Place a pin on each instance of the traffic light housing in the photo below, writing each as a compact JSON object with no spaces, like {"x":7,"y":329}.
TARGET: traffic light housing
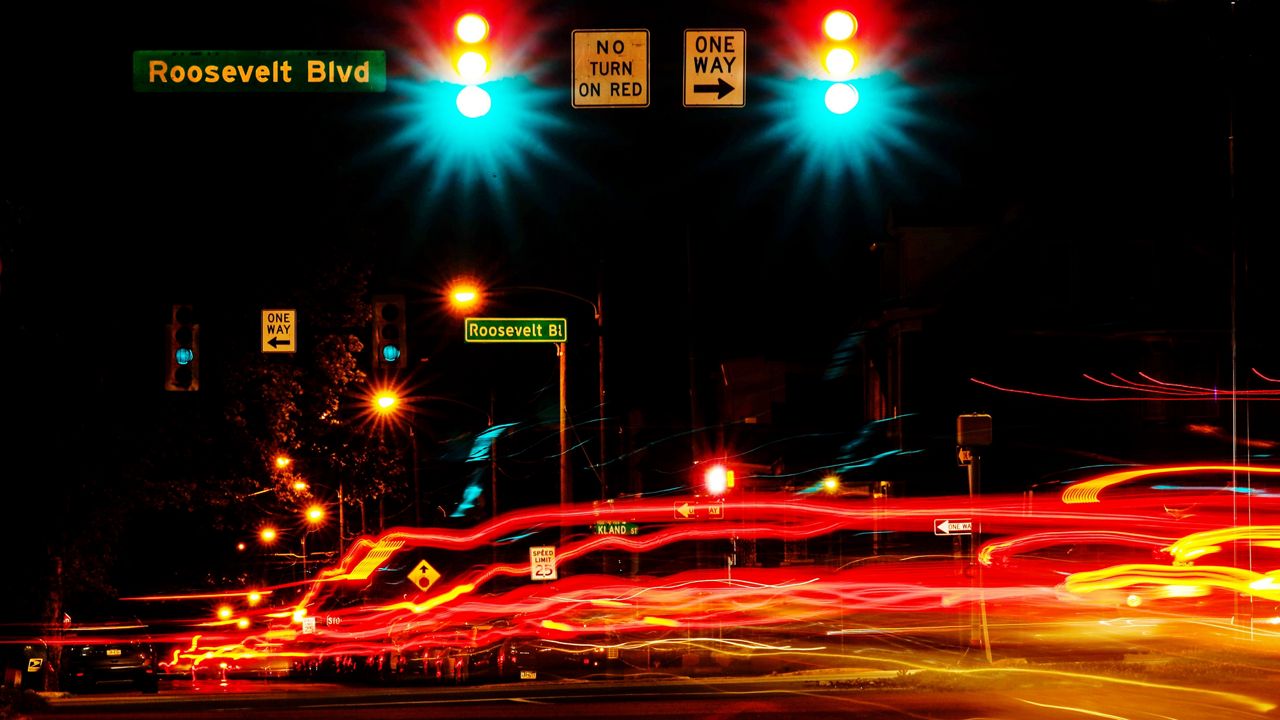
{"x":389,"y":349}
{"x":472,"y":61}
{"x":182,"y":361}
{"x":838,"y":60}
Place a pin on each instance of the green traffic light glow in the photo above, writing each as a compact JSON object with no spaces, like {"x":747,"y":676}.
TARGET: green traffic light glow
{"x":445,"y":155}
{"x":184,"y":356}
{"x":875,"y":142}
{"x":390,"y":353}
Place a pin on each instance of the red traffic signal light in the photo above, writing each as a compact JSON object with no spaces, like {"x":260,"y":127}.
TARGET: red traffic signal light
{"x":717,"y":480}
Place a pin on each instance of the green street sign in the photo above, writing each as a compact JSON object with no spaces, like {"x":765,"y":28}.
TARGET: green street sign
{"x":616,"y":528}
{"x":488,"y":330}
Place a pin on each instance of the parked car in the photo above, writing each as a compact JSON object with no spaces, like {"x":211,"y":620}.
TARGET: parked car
{"x":108,"y":654}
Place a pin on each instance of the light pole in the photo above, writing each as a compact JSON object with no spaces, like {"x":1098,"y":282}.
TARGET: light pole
{"x":465,"y":296}
{"x":314,"y":516}
{"x":283,"y":463}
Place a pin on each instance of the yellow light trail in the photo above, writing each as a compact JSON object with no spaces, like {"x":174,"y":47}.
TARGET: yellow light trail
{"x":1087,"y":491}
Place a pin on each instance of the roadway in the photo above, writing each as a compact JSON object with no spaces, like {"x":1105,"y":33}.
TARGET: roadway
{"x":987,"y":692}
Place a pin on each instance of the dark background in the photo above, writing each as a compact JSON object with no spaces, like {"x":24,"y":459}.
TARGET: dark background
{"x":1117,"y":158}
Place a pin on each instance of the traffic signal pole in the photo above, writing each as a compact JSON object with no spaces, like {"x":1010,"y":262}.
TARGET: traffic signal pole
{"x":566,"y":488}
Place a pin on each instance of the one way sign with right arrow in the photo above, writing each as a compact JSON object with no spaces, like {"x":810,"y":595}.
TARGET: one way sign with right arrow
{"x":715,"y":72}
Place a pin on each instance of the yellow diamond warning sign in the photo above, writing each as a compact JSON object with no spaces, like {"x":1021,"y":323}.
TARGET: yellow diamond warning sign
{"x":424,"y":576}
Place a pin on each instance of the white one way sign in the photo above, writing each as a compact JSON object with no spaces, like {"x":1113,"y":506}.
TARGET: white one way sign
{"x":953,"y":527}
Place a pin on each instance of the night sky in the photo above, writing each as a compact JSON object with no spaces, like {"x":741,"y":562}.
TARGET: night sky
{"x":1089,"y":141}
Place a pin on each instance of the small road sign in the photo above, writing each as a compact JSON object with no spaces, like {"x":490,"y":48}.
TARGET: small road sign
{"x":953,"y":527}
{"x":715,"y":68}
{"x":480,"y":330}
{"x":704,"y":510}
{"x":279,"y":331}
{"x":610,"y":68}
{"x":615,"y":528}
{"x":542,"y":562}
{"x":424,"y":576}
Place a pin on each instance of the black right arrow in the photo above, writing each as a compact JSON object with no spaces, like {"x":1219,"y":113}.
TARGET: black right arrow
{"x":276,"y":342}
{"x":721,"y":87}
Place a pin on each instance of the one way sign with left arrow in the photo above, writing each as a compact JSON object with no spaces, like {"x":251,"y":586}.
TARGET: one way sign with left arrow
{"x":953,"y":527}
{"x":715,"y":72}
{"x":279,"y":331}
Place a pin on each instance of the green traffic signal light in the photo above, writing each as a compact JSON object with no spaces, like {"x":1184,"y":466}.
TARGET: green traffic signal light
{"x":182,"y":363}
{"x":388,"y":331}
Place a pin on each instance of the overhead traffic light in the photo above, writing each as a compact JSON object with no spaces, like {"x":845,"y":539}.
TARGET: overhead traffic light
{"x":838,"y":60}
{"x":182,"y":361}
{"x":472,"y":62}
{"x":389,"y":331}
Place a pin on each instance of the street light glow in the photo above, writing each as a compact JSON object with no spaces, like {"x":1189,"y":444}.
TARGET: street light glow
{"x":283,"y":461}
{"x":831,"y":483}
{"x":268,"y":535}
{"x":315,"y":514}
{"x":385,"y":401}
{"x":300,"y":485}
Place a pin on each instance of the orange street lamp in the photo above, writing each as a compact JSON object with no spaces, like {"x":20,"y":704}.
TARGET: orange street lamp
{"x":267,"y":535}
{"x":283,"y":462}
{"x":385,"y":402}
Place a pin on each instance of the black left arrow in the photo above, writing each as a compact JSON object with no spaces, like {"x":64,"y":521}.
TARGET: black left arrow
{"x":276,"y":342}
{"x":721,"y":88}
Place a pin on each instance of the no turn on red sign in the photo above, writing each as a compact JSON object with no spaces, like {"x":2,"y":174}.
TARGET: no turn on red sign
{"x":610,"y":68}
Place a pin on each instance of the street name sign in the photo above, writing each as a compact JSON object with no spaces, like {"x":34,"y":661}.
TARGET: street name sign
{"x":953,"y":527}
{"x":715,"y":68}
{"x":603,"y":527}
{"x":610,"y":68}
{"x":542,"y":562}
{"x":550,"y":330}
{"x":279,"y":331}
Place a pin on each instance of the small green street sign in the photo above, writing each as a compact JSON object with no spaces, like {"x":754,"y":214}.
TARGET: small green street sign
{"x":616,"y":528}
{"x":482,"y":330}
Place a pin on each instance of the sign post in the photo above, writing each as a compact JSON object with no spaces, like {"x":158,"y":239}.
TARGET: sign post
{"x":532,"y":330}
